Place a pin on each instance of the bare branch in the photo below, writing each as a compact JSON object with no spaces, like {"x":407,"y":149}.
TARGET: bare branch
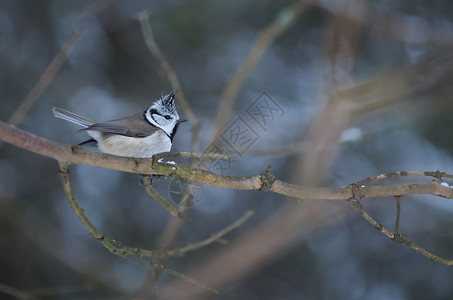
{"x":213,"y":238}
{"x":16,"y":293}
{"x":353,"y":193}
{"x":124,"y":251}
{"x":68,"y":155}
{"x":395,"y":236}
{"x":146,"y":180}
{"x":185,"y":278}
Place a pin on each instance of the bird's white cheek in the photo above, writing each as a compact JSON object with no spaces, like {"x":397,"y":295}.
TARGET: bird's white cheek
{"x":168,"y":128}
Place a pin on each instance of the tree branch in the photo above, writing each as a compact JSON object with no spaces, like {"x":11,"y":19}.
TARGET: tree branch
{"x":124,"y":251}
{"x":147,"y":182}
{"x":67,"y":155}
{"x":394,"y":236}
{"x":165,"y":65}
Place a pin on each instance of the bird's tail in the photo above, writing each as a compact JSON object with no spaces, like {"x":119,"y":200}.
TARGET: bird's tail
{"x":71,"y":117}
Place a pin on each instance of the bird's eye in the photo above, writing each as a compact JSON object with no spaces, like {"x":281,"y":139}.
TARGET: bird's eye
{"x":167,"y":117}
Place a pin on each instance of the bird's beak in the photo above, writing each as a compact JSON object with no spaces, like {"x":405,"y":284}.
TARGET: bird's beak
{"x":180,"y":121}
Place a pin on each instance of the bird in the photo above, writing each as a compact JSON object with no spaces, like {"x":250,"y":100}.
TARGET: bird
{"x":140,"y":135}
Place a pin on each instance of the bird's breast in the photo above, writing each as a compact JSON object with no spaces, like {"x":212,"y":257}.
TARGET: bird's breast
{"x":134,"y":147}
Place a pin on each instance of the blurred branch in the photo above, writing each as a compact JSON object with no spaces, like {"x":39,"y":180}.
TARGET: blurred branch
{"x":142,"y":253}
{"x":431,"y":74}
{"x":46,"y":78}
{"x":188,"y":279}
{"x":279,"y":150}
{"x":94,"y":8}
{"x":165,"y":65}
{"x":341,"y":45}
{"x":16,"y":293}
{"x":213,"y":238}
{"x":61,"y":290}
{"x":284,"y":19}
{"x":55,"y":65}
{"x":396,"y":27}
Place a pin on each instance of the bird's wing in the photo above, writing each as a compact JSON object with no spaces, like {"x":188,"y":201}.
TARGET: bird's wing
{"x":136,"y":126}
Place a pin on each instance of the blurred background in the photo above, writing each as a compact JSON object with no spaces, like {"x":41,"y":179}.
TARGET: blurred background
{"x":328,"y":92}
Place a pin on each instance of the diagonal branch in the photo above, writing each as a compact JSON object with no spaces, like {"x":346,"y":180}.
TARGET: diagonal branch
{"x":56,"y":63}
{"x":124,"y":251}
{"x":213,"y":238}
{"x":147,"y":182}
{"x":165,"y":65}
{"x":394,"y":236}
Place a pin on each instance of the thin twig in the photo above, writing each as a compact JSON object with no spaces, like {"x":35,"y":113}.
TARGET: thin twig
{"x":175,"y":273}
{"x":119,"y":248}
{"x":146,"y":180}
{"x":278,"y":150}
{"x":398,"y":214}
{"x":55,"y":65}
{"x":212,"y":239}
{"x":396,"y":237}
{"x":111,"y":244}
{"x":16,"y":293}
{"x":140,"y":252}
